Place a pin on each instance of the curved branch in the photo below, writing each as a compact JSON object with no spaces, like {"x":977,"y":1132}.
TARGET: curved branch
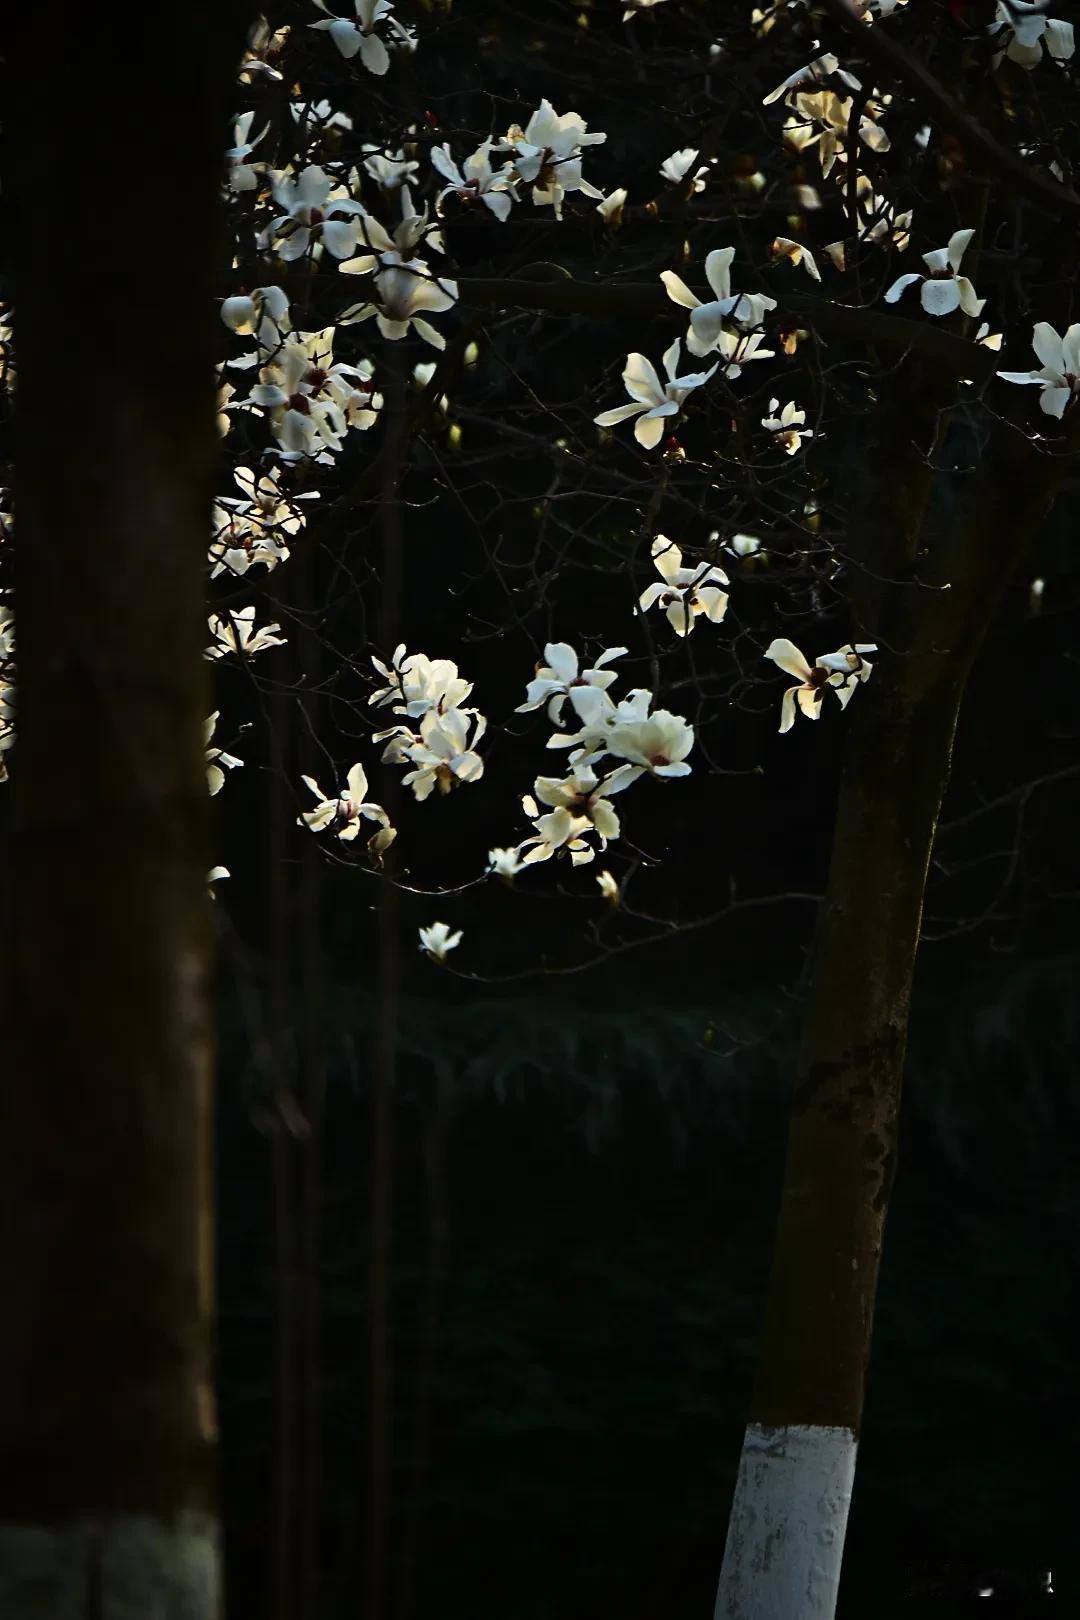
{"x":955,"y":356}
{"x":889,"y":56}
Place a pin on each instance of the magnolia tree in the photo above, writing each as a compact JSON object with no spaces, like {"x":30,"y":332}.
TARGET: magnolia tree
{"x":729,"y":400}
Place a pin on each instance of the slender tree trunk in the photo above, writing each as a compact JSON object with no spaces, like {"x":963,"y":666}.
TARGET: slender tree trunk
{"x":311,"y":986}
{"x":107,"y":1433}
{"x":384,"y":1064}
{"x":786,"y":1531}
{"x":282,"y":1545}
{"x":436,"y":1133}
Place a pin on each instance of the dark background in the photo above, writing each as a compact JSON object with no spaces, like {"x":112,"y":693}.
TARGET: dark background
{"x":588,"y":1146}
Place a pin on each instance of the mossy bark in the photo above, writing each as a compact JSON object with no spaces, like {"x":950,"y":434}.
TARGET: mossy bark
{"x":107,"y":1438}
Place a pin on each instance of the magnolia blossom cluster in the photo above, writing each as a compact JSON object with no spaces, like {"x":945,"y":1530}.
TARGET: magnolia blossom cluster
{"x":441,"y":752}
{"x":371,"y":33}
{"x":579,"y":819}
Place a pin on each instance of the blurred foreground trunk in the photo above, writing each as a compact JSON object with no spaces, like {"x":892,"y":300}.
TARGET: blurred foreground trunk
{"x":108,"y":1438}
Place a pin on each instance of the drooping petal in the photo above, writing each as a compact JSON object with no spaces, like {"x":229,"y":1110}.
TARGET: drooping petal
{"x":649,"y":430}
{"x":678,"y":291}
{"x":898,"y":286}
{"x":373,"y":54}
{"x":1053,"y":400}
{"x":641,"y":381}
{"x":619,"y":414}
{"x":787,"y":657}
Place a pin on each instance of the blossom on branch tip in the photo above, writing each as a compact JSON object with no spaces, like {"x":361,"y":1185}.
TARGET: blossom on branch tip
{"x":1059,"y":375}
{"x":707,"y":319}
{"x":1027,"y":30}
{"x":436,"y":939}
{"x":659,"y":743}
{"x":676,"y":169}
{"x":417,"y":683}
{"x":684,"y":593}
{"x":359,"y":36}
{"x":785,"y":248}
{"x":236,"y":633}
{"x":476,"y":180}
{"x":838,"y":672}
{"x":944,"y":289}
{"x":653,"y":401}
{"x":441,"y":755}
{"x":311,"y":201}
{"x":546,"y":154}
{"x":344,"y":813}
{"x":216,"y":757}
{"x":561,"y":677}
{"x":787,"y":428}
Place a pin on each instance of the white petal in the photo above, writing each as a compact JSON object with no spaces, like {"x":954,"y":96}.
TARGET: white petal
{"x":373,"y":54}
{"x":1048,"y":346}
{"x":678,"y":291}
{"x":898,"y":286}
{"x":940,"y":297}
{"x":787,"y":657}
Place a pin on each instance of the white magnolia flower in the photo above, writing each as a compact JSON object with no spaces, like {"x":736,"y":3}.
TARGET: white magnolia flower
{"x":560,"y":677}
{"x":580,"y":807}
{"x":216,"y":757}
{"x":707,"y":319}
{"x":547,"y":155}
{"x":408,"y":290}
{"x":611,"y":208}
{"x":838,"y":672}
{"x":1059,"y":375}
{"x":417,"y":683}
{"x":476,"y":180}
{"x":659,"y":743}
{"x":504,"y":863}
{"x":388,"y":169}
{"x":264,"y":310}
{"x":346,"y":810}
{"x":1027,"y":30}
{"x":608,"y":887}
{"x":677,"y":166}
{"x":821,"y":118}
{"x":813,"y":74}
{"x":436,"y":939}
{"x":653,"y":401}
{"x":441,"y":755}
{"x":313,"y":118}
{"x":944,"y":289}
{"x":215,"y":874}
{"x":244,"y":176}
{"x":744,"y":545}
{"x":264,"y":47}
{"x":311,"y":204}
{"x":250,"y":530}
{"x":785,"y":248}
{"x":352,"y":36}
{"x":313,"y":399}
{"x":684,"y":592}
{"x":788,"y":427}
{"x":236,"y":633}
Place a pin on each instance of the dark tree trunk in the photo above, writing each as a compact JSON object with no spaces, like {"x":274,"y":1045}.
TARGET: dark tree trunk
{"x":786,"y":1532}
{"x":107,"y":1490}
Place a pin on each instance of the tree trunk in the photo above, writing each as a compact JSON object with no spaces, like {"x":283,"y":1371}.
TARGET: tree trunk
{"x":788,"y":1519}
{"x":107,"y":1439}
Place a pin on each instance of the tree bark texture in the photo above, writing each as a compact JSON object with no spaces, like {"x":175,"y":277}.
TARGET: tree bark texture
{"x":782,"y":1559}
{"x":107,"y":1432}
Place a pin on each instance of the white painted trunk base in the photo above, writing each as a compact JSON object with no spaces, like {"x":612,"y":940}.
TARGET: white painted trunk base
{"x":123,"y":1568}
{"x":785,"y":1537}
